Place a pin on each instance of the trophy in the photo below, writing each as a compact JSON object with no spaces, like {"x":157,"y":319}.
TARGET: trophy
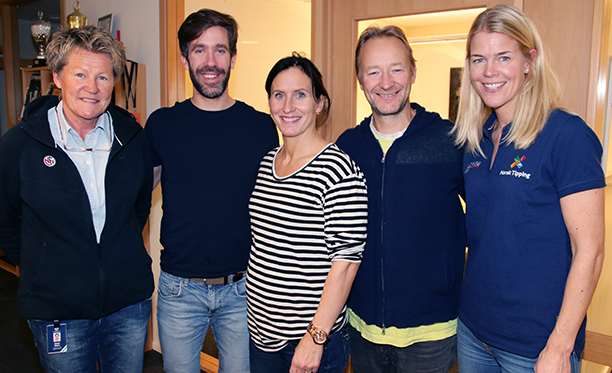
{"x":77,"y":19}
{"x":40,"y":32}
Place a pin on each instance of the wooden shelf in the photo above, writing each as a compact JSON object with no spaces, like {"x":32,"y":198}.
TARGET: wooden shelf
{"x":46,"y":78}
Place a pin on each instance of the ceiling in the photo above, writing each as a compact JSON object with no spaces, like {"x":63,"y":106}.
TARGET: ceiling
{"x":434,"y":19}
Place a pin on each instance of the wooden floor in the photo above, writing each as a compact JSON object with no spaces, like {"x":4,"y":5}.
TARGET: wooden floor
{"x":209,"y":364}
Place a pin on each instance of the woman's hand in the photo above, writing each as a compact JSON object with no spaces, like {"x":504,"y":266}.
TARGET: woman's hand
{"x":307,"y":356}
{"x":583,"y":213}
{"x":552,"y":360}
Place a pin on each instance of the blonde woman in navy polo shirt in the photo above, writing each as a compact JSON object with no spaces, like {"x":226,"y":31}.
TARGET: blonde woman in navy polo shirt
{"x":535,"y":215}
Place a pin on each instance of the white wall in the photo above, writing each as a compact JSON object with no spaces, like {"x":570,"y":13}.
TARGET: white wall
{"x":432,"y":86}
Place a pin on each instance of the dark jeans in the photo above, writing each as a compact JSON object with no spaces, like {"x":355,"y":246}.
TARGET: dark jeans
{"x":423,"y":357}
{"x":334,"y":359}
{"x":115,"y":342}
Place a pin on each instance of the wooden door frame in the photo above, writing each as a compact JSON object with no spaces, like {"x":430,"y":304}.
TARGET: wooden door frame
{"x":12,"y":71}
{"x":599,"y":69}
{"x":172,"y":79}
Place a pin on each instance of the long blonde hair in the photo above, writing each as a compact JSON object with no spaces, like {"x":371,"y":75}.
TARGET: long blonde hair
{"x":538,"y":97}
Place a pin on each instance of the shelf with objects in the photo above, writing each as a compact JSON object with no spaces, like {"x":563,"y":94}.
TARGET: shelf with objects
{"x":35,"y":82}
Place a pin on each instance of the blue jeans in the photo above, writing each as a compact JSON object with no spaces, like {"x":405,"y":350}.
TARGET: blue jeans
{"x":116,"y":342}
{"x":185,"y":309}
{"x":334,"y":359}
{"x":476,"y":356}
{"x":423,"y":357}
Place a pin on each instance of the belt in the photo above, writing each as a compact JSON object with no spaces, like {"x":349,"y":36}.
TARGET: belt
{"x":222,"y":280}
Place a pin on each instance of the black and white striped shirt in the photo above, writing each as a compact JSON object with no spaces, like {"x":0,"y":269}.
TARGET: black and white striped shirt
{"x":300,"y":224}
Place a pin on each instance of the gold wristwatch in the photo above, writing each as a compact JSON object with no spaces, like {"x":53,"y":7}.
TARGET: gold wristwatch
{"x":319,"y":336}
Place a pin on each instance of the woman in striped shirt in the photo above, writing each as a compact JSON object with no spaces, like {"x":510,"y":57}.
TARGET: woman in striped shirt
{"x":308,"y":223}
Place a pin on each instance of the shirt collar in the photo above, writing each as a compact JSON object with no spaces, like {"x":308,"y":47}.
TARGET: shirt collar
{"x":490,"y":125}
{"x":384,"y":136}
{"x":103,"y":125}
{"x":103,"y":122}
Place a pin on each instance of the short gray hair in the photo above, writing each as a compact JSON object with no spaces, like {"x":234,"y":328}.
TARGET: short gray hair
{"x":374,"y":32}
{"x":87,"y":38}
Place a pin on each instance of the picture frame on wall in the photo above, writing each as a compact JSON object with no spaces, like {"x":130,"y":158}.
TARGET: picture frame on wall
{"x":106,"y":22}
{"x":454,"y":90}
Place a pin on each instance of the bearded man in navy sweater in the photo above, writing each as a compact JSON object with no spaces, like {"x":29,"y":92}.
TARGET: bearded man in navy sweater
{"x":206,"y":151}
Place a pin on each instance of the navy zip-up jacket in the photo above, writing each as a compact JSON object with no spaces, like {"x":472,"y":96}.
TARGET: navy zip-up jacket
{"x":47,"y":229}
{"x":412,"y":266}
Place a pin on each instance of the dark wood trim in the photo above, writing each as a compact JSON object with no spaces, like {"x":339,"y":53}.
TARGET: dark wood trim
{"x":10,"y":42}
{"x":17,"y":2}
{"x":8,"y":267}
{"x":63,"y":14}
{"x":23,"y":62}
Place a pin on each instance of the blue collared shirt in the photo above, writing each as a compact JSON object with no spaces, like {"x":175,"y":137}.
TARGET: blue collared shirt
{"x":91,"y":164}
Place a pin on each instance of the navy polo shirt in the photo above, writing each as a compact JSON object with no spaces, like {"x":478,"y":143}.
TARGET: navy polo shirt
{"x":519,"y":249}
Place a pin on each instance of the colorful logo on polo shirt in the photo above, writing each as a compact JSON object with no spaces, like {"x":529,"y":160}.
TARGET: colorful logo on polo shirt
{"x":517,"y":162}
{"x":475,"y":164}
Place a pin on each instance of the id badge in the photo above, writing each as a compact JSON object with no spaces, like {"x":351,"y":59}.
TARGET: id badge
{"x":56,"y":338}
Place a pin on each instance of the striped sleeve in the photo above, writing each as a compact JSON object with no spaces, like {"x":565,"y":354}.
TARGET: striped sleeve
{"x":346,"y":214}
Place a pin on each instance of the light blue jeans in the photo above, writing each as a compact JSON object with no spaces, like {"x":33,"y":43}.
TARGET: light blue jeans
{"x":115,"y":342}
{"x":476,"y":356}
{"x":185,"y":309}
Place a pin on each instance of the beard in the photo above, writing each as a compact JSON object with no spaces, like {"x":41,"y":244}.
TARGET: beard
{"x":398,"y":110}
{"x":210,"y":91}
